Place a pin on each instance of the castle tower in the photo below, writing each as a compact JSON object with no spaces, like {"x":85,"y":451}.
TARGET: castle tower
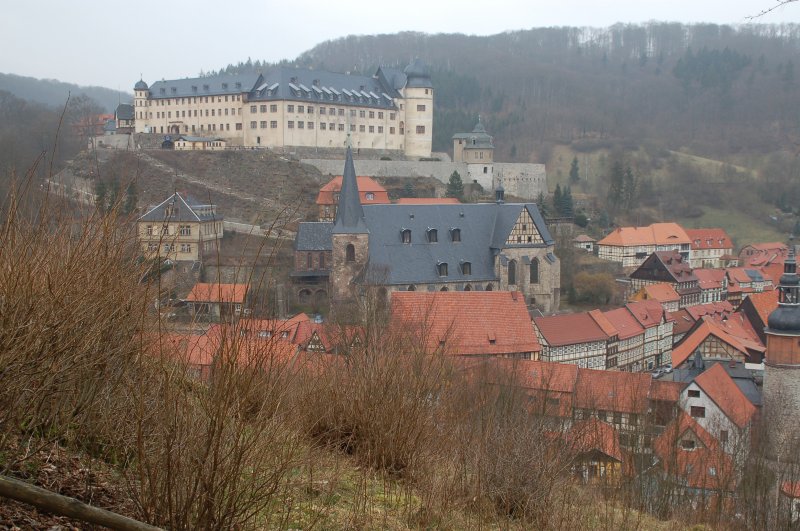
{"x":140,"y":92}
{"x":476,"y":150}
{"x":418,"y":94}
{"x":350,"y":236}
{"x":782,"y":366}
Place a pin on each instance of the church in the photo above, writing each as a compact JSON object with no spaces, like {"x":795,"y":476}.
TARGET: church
{"x":443,"y":247}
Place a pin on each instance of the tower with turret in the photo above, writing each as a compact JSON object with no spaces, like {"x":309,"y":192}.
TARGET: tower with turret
{"x":418,"y":95}
{"x":350,"y":236}
{"x":140,"y":93}
{"x":781,"y":392}
{"x":476,"y":150}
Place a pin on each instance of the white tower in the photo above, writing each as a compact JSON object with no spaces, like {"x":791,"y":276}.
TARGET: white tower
{"x":418,"y":95}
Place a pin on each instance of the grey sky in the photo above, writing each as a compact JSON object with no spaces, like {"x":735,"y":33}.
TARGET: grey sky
{"x":104,"y":42}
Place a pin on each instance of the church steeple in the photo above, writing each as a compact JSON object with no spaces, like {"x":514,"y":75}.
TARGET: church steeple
{"x":786,"y":318}
{"x":349,"y":212}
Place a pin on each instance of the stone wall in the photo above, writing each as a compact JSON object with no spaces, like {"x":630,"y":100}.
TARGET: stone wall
{"x":342,"y":271}
{"x":781,"y":398}
{"x":525,"y":181}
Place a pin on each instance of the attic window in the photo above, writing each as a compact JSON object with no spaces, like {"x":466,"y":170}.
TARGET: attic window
{"x":224,"y":86}
{"x":441,"y":268}
{"x":406,"y":235}
{"x":174,"y":90}
{"x":238,"y":85}
{"x":206,"y":88}
{"x":433,"y":235}
{"x":162,"y":91}
{"x":455,"y":235}
{"x":194,"y":88}
{"x":466,"y":268}
{"x":687,"y":444}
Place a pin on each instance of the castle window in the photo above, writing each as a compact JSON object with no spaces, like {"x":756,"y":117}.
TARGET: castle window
{"x":273,"y":108}
{"x":512,"y":272}
{"x":466,"y":268}
{"x":350,"y":253}
{"x":301,"y":108}
{"x":391,"y":116}
{"x":420,"y":129}
{"x":290,"y":108}
{"x":441,"y":268}
{"x":534,"y":277}
{"x":186,"y":230}
{"x":420,"y":108}
{"x":485,"y":169}
{"x":290,"y":124}
{"x":455,"y":235}
{"x":433,"y":236}
{"x":406,"y":235}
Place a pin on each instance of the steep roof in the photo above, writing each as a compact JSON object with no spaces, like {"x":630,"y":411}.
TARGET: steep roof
{"x":218,"y":292}
{"x":648,"y":313}
{"x":349,"y":214}
{"x":718,"y":385}
{"x":625,"y":323}
{"x":366,"y":185}
{"x":466,"y":322}
{"x":763,"y":303}
{"x":569,"y":329}
{"x":182,"y":207}
{"x":616,"y":391}
{"x":655,"y":234}
{"x":661,"y":292}
{"x":702,"y":330}
{"x":124,"y":111}
{"x":477,"y":139}
{"x":718,"y":310}
{"x":204,"y":86}
{"x":428,"y":201}
{"x":592,"y":434}
{"x":709,"y":239}
{"x":709,"y":278}
{"x":314,"y":236}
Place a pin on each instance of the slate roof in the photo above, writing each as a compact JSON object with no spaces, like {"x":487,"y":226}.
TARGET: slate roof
{"x":477,"y":139}
{"x":466,"y":322}
{"x":204,"y":86}
{"x":418,"y":74}
{"x":188,"y":209}
{"x":349,"y":213}
{"x":427,"y":200}
{"x":124,"y":111}
{"x":314,"y":236}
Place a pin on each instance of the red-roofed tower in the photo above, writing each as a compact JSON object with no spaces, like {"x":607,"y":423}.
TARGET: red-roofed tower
{"x":782,"y":365}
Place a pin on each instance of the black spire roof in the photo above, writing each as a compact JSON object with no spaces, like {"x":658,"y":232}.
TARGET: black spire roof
{"x":349,"y":213}
{"x":786,"y":318}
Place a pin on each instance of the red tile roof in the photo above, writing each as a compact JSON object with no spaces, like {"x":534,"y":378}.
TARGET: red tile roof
{"x":648,"y":313}
{"x":558,"y":377}
{"x":216,"y":292}
{"x":708,"y":327}
{"x":583,"y":238}
{"x":709,"y":239}
{"x":760,"y":254}
{"x":662,"y":292}
{"x":625,"y":323}
{"x":666,"y":391}
{"x":428,"y":201}
{"x":603,"y":322}
{"x":616,"y":391}
{"x":467,"y":322}
{"x":569,"y":329}
{"x":292,"y":329}
{"x":365,"y":185}
{"x":592,"y":434}
{"x":718,"y":309}
{"x":678,"y":268}
{"x":197,"y":350}
{"x":764,"y":303}
{"x":706,"y":466}
{"x":720,"y":388}
{"x":709,"y":278}
{"x":791,"y":489}
{"x":655,"y":234}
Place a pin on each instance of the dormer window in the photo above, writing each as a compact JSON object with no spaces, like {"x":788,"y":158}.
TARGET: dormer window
{"x":224,"y":86}
{"x":455,"y":235}
{"x":466,"y":268}
{"x":406,"y":235}
{"x":433,"y":235}
{"x":370,"y":196}
{"x":174,"y":90}
{"x":441,"y":268}
{"x":194,"y":88}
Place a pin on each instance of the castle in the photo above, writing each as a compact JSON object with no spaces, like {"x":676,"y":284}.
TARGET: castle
{"x":442,"y":247}
{"x":291,"y":107}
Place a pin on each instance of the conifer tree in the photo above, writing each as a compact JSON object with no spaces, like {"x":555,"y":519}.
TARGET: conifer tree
{"x":455,"y":187}
{"x":557,"y":199}
{"x":574,"y":175}
{"x":616,"y":189}
{"x":567,"y":209}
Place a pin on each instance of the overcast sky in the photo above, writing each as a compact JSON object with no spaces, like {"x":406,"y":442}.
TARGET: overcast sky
{"x":109,"y":43}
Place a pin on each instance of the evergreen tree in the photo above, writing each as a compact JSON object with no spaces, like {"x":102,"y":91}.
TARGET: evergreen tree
{"x":455,"y":187}
{"x":574,"y":175}
{"x":567,"y":209}
{"x":629,"y":189}
{"x":557,"y":200}
{"x":541,"y":202}
{"x":616,"y":190}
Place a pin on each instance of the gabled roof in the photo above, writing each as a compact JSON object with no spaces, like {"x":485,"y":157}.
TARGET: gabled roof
{"x":648,"y":313}
{"x":292,"y":329}
{"x":710,"y":278}
{"x":717,"y":310}
{"x":709,"y":239}
{"x":427,"y":200}
{"x":592,"y":434}
{"x":704,"y":328}
{"x":718,"y":385}
{"x":193,"y":349}
{"x":466,"y":322}
{"x":763,"y":303}
{"x":706,"y":466}
{"x":666,"y":391}
{"x":603,"y":322}
{"x":327,"y":193}
{"x":182,"y":208}
{"x":218,"y":292}
{"x":670,"y":264}
{"x":124,"y":111}
{"x":569,"y":329}
{"x":583,"y":238}
{"x":655,"y":234}
{"x":661,"y":292}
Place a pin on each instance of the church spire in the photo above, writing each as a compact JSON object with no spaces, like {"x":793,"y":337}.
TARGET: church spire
{"x":349,"y":212}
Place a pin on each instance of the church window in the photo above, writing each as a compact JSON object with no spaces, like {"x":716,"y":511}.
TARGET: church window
{"x":534,"y":277}
{"x":420,"y":129}
{"x":441,"y":268}
{"x":512,"y":272}
{"x":455,"y":235}
{"x":433,"y":236}
{"x":350,"y":253}
{"x":322,"y":260}
{"x":466,"y":268}
{"x":308,"y":261}
{"x":406,"y":235}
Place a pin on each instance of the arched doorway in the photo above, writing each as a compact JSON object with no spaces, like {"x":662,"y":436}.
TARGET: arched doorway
{"x":468,"y":287}
{"x":411,"y":287}
{"x":175,"y":130}
{"x":489,"y":287}
{"x":444,"y":288}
